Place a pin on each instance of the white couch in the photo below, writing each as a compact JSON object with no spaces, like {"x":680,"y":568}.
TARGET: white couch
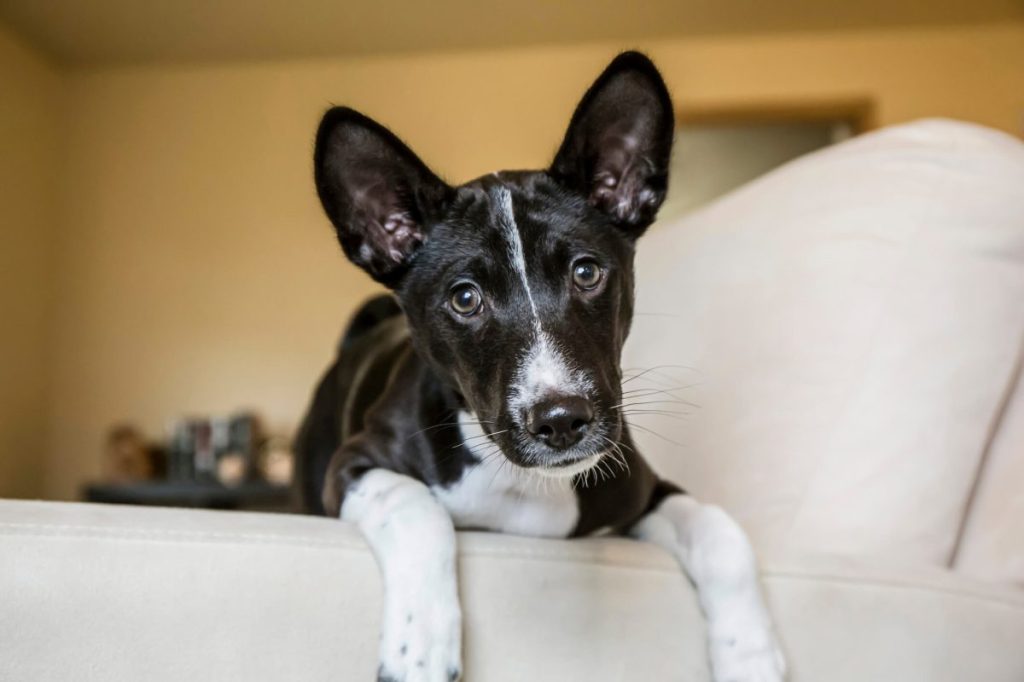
{"x":855,"y":325}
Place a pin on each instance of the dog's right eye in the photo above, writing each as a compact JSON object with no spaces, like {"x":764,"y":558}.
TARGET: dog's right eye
{"x":466,"y":300}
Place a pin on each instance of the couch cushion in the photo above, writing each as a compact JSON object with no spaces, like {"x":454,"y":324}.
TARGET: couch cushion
{"x":91,"y":592}
{"x":848,"y":326}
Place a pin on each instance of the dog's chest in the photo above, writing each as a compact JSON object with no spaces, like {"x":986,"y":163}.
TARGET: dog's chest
{"x":496,"y":495}
{"x":498,"y":498}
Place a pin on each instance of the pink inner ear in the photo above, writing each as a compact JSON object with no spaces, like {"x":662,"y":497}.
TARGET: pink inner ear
{"x":398,"y":220}
{"x":398,"y":235}
{"x":620,"y":182}
{"x":389,"y":233}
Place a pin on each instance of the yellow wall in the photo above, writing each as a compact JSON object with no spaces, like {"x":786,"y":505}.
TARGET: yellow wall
{"x":29,"y":132}
{"x":196,"y":272}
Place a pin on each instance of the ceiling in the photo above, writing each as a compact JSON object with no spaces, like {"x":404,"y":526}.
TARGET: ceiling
{"x":113,"y":31}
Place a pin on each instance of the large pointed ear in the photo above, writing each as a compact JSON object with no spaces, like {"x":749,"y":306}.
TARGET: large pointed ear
{"x":380,"y":197}
{"x":616,"y":151}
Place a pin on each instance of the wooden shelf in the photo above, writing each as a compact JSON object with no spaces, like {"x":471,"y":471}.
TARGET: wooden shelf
{"x":253,"y":495}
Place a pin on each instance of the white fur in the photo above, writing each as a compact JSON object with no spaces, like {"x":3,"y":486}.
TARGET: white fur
{"x":497,"y":495}
{"x":517,"y":256}
{"x":544,"y":370}
{"x":413,"y":540}
{"x":717,"y":556}
{"x":566,"y":472}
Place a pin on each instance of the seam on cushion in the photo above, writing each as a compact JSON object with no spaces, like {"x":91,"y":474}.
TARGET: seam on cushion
{"x":1015,"y":602}
{"x":185,"y":536}
{"x":177,"y":535}
{"x":171,"y":535}
{"x":571,"y":557}
{"x":1010,"y":393}
{"x":547,"y":555}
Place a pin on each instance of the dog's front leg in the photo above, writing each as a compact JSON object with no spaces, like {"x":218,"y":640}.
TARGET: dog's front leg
{"x":718,"y":558}
{"x":413,"y":539}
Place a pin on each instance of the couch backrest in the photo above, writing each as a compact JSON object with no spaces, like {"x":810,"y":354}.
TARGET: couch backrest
{"x":848,"y":327}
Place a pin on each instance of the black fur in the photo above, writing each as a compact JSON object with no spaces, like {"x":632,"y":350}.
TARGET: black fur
{"x":381,"y":198}
{"x":391,"y":399}
{"x":320,"y":434}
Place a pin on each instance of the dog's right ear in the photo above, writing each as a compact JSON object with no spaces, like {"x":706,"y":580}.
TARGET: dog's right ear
{"x":380,"y":197}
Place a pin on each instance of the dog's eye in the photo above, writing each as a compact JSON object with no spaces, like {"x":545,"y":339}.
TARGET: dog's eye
{"x":586,"y":273}
{"x":466,"y":300}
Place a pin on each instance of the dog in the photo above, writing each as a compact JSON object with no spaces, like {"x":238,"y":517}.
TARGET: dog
{"x":494,"y":364}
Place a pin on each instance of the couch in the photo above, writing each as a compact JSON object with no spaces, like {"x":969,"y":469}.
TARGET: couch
{"x":840,"y":342}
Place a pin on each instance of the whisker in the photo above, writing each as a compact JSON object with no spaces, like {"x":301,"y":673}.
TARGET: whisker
{"x":446,"y":424}
{"x":479,"y":437}
{"x":656,"y":434}
{"x":662,"y":413}
{"x":634,"y":403}
{"x":629,"y":408}
{"x":680,"y":317}
{"x":505,"y":461}
{"x":431,"y":428}
{"x":616,"y":453}
{"x":644,"y":392}
{"x":656,"y":370}
{"x":623,"y":445}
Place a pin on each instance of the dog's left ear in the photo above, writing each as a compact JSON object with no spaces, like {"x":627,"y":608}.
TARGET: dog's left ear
{"x":616,"y":151}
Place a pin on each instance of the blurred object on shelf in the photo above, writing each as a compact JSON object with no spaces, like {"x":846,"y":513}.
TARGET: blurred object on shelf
{"x":210,"y":462}
{"x":131,"y":458}
{"x":231,"y":468}
{"x":222,"y":449}
{"x":247,"y":496}
{"x":276,"y":461}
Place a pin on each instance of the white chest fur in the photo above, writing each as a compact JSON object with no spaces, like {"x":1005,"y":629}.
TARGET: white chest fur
{"x":499,"y":496}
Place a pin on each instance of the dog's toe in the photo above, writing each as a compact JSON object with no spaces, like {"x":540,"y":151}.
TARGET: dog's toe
{"x":750,"y":655}
{"x":423,"y":645}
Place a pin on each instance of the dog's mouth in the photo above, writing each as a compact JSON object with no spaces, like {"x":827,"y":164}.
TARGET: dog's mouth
{"x":571,"y":466}
{"x":525,"y":451}
{"x":598,"y":449}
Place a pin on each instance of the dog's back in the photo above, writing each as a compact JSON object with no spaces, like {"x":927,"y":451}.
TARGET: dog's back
{"x":368,"y":344}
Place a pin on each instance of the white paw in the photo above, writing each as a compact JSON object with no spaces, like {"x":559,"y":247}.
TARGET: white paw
{"x":746,"y":654}
{"x":422,"y":644}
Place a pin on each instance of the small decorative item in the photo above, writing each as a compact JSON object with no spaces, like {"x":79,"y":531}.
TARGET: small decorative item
{"x":277,"y":462}
{"x":221,"y":449}
{"x":231,"y":469}
{"x":181,"y":465}
{"x":130,"y":457}
{"x":214,"y":462}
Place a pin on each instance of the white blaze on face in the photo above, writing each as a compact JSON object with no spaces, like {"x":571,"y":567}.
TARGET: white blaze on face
{"x":544,"y":370}
{"x":517,"y":256}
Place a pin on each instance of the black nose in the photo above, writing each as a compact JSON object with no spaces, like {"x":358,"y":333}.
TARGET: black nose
{"x":561,"y":421}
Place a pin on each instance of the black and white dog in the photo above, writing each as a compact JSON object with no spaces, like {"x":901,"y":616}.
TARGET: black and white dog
{"x":496,"y":364}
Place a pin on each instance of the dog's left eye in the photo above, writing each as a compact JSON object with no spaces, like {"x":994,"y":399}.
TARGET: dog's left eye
{"x":466,"y":300}
{"x":586,"y":273}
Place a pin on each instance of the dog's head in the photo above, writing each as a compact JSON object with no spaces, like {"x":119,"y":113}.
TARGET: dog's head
{"x":518,"y":286}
